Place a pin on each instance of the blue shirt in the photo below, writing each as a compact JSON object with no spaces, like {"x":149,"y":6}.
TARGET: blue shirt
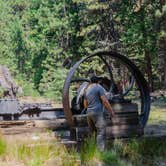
{"x":93,"y":96}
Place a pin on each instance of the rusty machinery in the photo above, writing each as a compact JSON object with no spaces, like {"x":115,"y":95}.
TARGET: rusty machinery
{"x":131,"y":116}
{"x":132,"y":112}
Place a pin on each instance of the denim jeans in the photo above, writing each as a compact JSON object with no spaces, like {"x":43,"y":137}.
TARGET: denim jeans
{"x":97,"y":124}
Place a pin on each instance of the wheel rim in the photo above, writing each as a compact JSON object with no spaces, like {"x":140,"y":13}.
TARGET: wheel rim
{"x":140,"y":80}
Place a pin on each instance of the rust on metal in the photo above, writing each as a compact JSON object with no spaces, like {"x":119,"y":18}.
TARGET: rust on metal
{"x":140,"y":80}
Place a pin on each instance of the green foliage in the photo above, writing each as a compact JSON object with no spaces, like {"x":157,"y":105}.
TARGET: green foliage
{"x":144,"y":151}
{"x":111,"y":158}
{"x":88,"y":150}
{"x":38,"y":35}
{"x":2,"y":146}
{"x":1,"y":92}
{"x":140,"y":152}
{"x":90,"y":155}
{"x":28,"y":88}
{"x":52,"y":82}
{"x":39,"y":153}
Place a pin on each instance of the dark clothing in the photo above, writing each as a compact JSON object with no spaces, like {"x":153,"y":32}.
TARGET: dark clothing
{"x":95,"y":118}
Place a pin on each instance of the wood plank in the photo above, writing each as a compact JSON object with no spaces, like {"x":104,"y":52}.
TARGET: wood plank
{"x":125,"y":107}
{"x":127,"y":115}
{"x":117,"y":128}
{"x":9,"y":124}
{"x":52,"y":124}
{"x":123,"y":131}
{"x":123,"y":121}
{"x":21,"y":130}
{"x":81,"y":120}
{"x":14,"y":122}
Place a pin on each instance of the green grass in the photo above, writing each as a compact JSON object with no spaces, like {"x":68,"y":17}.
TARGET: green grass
{"x":135,"y":152}
{"x":141,"y":151}
{"x":119,"y":153}
{"x":35,"y":153}
{"x":3,"y":146}
{"x":91,"y":156}
{"x":157,"y":116}
{"x":158,"y":112}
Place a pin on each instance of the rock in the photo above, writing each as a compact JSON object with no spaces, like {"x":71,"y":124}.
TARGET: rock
{"x":7,"y":83}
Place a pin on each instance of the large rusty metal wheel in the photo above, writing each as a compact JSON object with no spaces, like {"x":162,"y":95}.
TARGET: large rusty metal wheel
{"x":136,"y":75}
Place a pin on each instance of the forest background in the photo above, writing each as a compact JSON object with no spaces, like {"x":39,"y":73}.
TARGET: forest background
{"x":41,"y":39}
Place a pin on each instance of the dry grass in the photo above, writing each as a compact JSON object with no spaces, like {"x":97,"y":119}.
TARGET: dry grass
{"x":43,"y":149}
{"x":35,"y":150}
{"x":157,"y":116}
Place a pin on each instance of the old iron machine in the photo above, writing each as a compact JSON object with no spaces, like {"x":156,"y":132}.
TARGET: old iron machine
{"x":126,"y":88}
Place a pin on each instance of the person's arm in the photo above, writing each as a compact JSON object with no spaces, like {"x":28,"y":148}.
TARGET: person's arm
{"x":107,"y":105}
{"x":85,"y":103}
{"x":105,"y":100}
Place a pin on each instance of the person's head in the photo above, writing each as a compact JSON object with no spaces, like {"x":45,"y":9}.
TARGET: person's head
{"x":94,"y":79}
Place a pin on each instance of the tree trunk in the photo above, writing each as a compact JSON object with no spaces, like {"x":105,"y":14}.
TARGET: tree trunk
{"x":162,"y":57}
{"x":149,"y":70}
{"x":162,"y":48}
{"x":147,"y":56}
{"x":164,"y":80}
